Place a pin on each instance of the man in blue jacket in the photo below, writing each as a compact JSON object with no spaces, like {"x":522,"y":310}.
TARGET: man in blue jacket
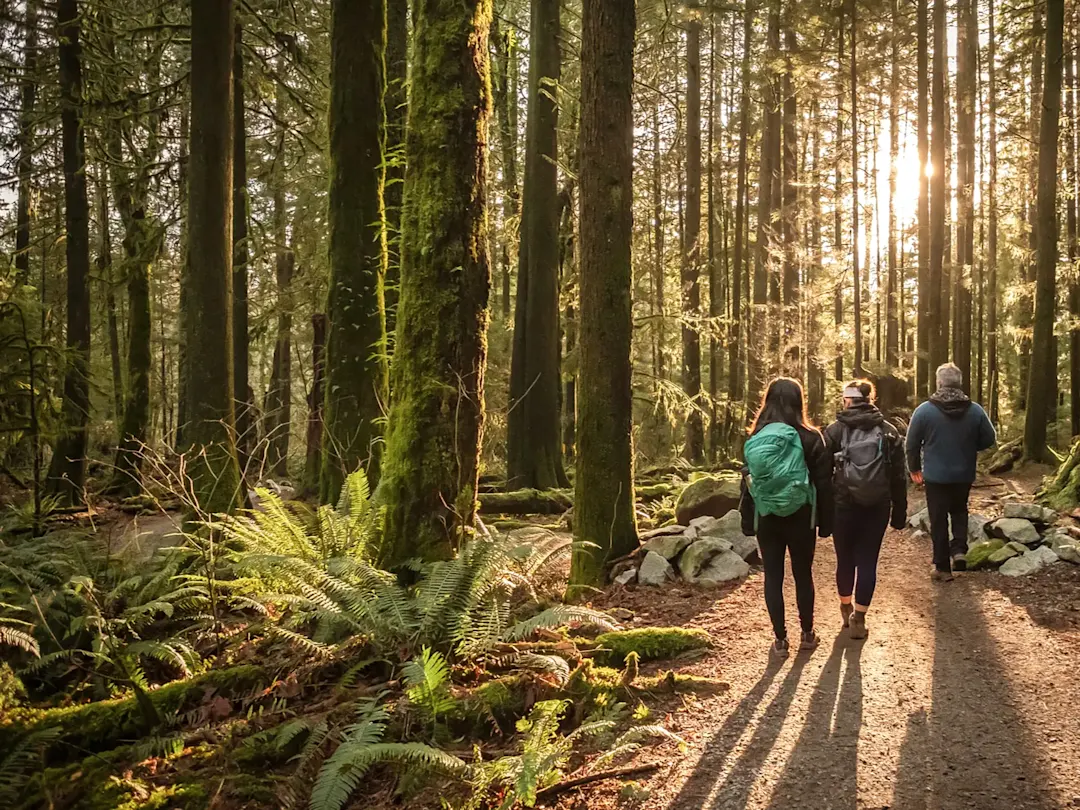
{"x":943,"y":440}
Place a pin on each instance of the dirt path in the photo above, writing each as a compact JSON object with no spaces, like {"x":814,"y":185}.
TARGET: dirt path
{"x":960,"y":698}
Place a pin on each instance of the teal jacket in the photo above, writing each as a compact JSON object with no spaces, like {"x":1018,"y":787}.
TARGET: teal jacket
{"x":945,"y":437}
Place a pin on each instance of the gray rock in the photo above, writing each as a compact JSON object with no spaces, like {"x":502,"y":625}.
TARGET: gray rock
{"x":698,"y":555}
{"x":976,"y":529}
{"x":978,"y":555}
{"x":1003,"y":554}
{"x":663,"y":531}
{"x":655,"y":570}
{"x":714,"y":495}
{"x":1029,"y":563}
{"x":669,"y":547}
{"x":746,"y":547}
{"x":920,"y":520}
{"x":1031,"y":511}
{"x":706,"y":525}
{"x":1058,"y":538}
{"x":1015,"y":529}
{"x":1019,"y":548}
{"x":724,"y":567}
{"x":1069,"y":553}
{"x":626,"y":577}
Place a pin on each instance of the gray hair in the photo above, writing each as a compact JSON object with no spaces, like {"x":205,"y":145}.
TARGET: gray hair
{"x":949,"y":376}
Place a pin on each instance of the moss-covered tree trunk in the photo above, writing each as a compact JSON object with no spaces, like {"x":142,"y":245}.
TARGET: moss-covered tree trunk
{"x":245,"y":404}
{"x":604,"y":480}
{"x":182,"y":407}
{"x":67,"y":470}
{"x":506,"y":106}
{"x":396,"y":106}
{"x":356,"y":364}
{"x":534,"y":444}
{"x":104,"y":266}
{"x":316,"y":397}
{"x":212,"y":461}
{"x":1043,"y":374}
{"x":433,"y":443}
{"x":27,"y":128}
{"x":690,"y":270}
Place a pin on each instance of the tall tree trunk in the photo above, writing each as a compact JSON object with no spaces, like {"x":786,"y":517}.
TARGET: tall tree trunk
{"x":396,"y":111}
{"x":967,"y":41}
{"x":938,"y":337}
{"x":791,"y":363}
{"x":245,"y":402}
{"x":604,"y":484}
{"x":717,"y":275}
{"x":1026,"y":304}
{"x":430,"y":473}
{"x":356,"y":363}
{"x":27,"y":128}
{"x":658,"y":307}
{"x":737,"y":334}
{"x":106,"y":272}
{"x":694,"y":449}
{"x":67,"y":471}
{"x":892,"y":330}
{"x":316,"y":397}
{"x":568,"y":273}
{"x":213,"y":464}
{"x":925,"y":321}
{"x":1071,"y":175}
{"x":534,"y":454}
{"x":838,"y":193}
{"x":855,"y":197}
{"x":182,"y":405}
{"x":992,"y":372}
{"x":506,"y":106}
{"x":1043,"y":374}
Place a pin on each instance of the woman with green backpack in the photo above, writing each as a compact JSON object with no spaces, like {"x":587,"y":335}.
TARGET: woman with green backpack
{"x":787,"y":501}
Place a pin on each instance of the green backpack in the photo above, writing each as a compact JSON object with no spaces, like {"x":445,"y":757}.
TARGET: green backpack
{"x":778,"y":479}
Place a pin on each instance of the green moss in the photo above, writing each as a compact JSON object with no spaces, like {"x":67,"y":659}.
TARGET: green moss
{"x":978,"y":555}
{"x":97,"y":726}
{"x":650,"y":643}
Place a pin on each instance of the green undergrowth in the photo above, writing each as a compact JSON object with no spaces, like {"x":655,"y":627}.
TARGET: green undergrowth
{"x":650,"y":644}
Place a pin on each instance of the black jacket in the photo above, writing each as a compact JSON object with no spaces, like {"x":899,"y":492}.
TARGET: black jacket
{"x":819,"y":462}
{"x":865,"y":416}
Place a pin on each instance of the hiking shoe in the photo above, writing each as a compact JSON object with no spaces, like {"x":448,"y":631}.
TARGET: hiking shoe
{"x":845,"y":613}
{"x":809,"y":641}
{"x":780,"y":648}
{"x":858,"y":625}
{"x":941,"y":576}
{"x":959,"y":562}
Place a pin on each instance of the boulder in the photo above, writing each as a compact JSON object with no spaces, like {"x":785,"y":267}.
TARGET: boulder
{"x":920,"y":520}
{"x":724,"y":567}
{"x":1029,"y":563}
{"x":747,"y":548}
{"x":1059,"y":537}
{"x":728,"y":526}
{"x":706,"y":526}
{"x":663,"y":531}
{"x":1069,"y":553}
{"x":667,"y":546}
{"x":714,"y":495}
{"x":976,"y":529}
{"x":978,"y":555}
{"x":1015,"y":529}
{"x":698,"y":555}
{"x":1000,"y":556}
{"x":627,"y":577}
{"x":1031,"y":511}
{"x":655,"y":570}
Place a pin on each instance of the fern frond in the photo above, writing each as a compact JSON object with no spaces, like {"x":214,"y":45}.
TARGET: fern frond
{"x":14,"y":637}
{"x":554,"y":665}
{"x":558,"y":616}
{"x":341,"y":773}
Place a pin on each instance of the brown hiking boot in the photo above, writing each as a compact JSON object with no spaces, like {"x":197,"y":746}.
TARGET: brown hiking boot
{"x":809,"y":641}
{"x":780,"y":648}
{"x":858,"y":625}
{"x":941,"y":576}
{"x":845,"y":613}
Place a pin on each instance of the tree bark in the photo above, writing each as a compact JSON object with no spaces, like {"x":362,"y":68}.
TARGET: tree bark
{"x":433,"y":443}
{"x":604,"y":484}
{"x":925,"y":325}
{"x":1071,"y":175}
{"x":892,"y":329}
{"x":106,"y":272}
{"x":658,"y":309}
{"x":356,"y":363}
{"x":67,"y":470}
{"x":1043,"y":374}
{"x":27,"y":128}
{"x":1025,"y":306}
{"x":966,"y":43}
{"x":791,"y":352}
{"x":838,"y":194}
{"x":396,"y":110}
{"x":694,"y":449}
{"x":534,"y":443}
{"x":938,"y":337}
{"x":212,"y":462}
{"x":992,"y":373}
{"x":737,"y":335}
{"x":316,"y":397}
{"x":855,"y":197}
{"x":506,"y":106}
{"x":245,"y":405}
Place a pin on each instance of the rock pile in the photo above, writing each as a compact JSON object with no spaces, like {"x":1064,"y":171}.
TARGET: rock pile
{"x":708,"y":551}
{"x":1026,"y":539}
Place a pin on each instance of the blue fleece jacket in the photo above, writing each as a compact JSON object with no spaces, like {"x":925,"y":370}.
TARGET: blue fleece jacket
{"x":943,"y":440}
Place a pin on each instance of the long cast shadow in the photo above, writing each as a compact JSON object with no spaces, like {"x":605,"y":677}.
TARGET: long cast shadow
{"x":696,"y":790}
{"x":973,"y":750}
{"x":822,"y":769}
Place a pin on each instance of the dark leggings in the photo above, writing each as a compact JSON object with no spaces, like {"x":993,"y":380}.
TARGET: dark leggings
{"x":776,"y":537}
{"x":857,"y":535}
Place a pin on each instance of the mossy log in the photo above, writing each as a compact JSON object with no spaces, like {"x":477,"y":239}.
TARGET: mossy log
{"x":525,"y":502}
{"x":101,"y":725}
{"x":650,"y":644}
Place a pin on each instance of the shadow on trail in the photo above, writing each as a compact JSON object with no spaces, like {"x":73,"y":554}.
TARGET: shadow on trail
{"x":822,"y":770}
{"x":735,"y":788}
{"x":973,"y":750}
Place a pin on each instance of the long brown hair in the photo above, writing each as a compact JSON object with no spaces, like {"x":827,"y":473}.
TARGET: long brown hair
{"x":783,"y":402}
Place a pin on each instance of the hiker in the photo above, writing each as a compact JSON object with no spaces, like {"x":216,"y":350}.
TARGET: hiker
{"x":943,"y":440}
{"x":787,"y":499}
{"x":869,"y":485}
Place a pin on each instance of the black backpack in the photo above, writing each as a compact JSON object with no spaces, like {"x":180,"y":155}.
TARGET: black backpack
{"x":861,"y":473}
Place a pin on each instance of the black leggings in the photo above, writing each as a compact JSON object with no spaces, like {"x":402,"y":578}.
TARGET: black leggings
{"x":857,"y":535}
{"x":776,"y":537}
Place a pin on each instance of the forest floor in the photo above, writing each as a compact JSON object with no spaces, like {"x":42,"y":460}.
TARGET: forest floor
{"x":965,"y":695}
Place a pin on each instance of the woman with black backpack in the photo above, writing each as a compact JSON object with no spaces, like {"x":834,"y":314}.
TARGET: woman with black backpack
{"x":870,"y":483}
{"x":787,"y":501}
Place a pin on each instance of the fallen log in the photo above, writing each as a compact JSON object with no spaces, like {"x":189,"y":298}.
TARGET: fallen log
{"x":525,"y":502}
{"x":614,"y":773}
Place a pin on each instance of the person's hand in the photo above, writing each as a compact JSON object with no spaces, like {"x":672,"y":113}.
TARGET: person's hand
{"x":917,"y":477}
